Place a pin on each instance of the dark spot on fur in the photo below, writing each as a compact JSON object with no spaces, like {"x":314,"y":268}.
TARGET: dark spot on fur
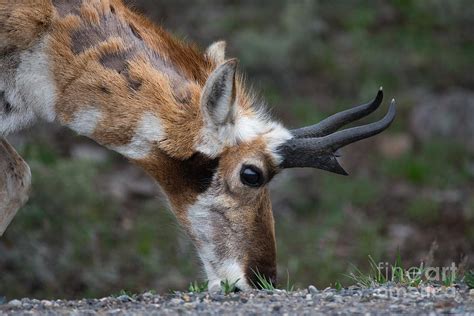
{"x":135,"y":31}
{"x":116,"y":61}
{"x":85,"y":38}
{"x":199,"y":171}
{"x":8,"y":50}
{"x":105,"y":90}
{"x":6,"y":105}
{"x":132,"y":83}
{"x":112,"y":9}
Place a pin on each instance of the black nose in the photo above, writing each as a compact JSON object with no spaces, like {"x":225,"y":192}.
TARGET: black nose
{"x":258,"y":275}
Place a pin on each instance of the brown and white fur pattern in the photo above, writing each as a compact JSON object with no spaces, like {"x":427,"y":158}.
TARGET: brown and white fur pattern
{"x":181,"y":114}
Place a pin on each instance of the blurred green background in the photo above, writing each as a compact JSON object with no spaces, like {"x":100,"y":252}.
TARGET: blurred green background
{"x":96,"y":224}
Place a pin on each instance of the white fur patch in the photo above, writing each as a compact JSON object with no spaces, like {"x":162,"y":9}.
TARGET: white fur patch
{"x":35,"y":83}
{"x":233,"y":272}
{"x":229,"y":269}
{"x":216,"y":52}
{"x":245,"y":129}
{"x":148,"y":133}
{"x":85,"y":121}
{"x":274,"y":138}
{"x":29,"y":89}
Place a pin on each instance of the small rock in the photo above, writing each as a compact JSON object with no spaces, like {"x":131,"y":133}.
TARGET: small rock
{"x":186,"y":298}
{"x":471,"y":293}
{"x":312,"y":290}
{"x":113,"y":311}
{"x":46,"y":303}
{"x":124,"y":298}
{"x":176,"y":301}
{"x":15,"y":303}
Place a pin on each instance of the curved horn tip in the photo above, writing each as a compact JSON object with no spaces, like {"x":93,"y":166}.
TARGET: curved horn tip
{"x":379,"y":94}
{"x":341,"y":171}
{"x":393,"y":106}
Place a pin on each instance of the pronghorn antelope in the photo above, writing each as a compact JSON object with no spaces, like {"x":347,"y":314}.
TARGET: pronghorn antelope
{"x":183,"y":115}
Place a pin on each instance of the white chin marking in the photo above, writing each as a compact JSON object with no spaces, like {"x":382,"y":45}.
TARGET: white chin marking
{"x":217,"y":270}
{"x":148,"y":133}
{"x":229,"y":270}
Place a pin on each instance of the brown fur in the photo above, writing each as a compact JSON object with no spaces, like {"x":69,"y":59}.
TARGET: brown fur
{"x":22,"y":22}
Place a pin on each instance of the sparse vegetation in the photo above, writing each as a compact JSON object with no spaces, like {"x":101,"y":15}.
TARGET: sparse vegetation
{"x":198,"y":287}
{"x":381,"y":273}
{"x":290,"y":287}
{"x":263,"y":283}
{"x":228,"y":287}
{"x":469,"y":279}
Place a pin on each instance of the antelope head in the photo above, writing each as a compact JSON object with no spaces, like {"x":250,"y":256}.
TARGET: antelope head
{"x":220,"y":194}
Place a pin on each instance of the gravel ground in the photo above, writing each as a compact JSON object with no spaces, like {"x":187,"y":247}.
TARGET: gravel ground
{"x":380,"y":300}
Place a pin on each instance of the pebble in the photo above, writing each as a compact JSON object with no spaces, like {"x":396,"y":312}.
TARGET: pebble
{"x":46,"y":303}
{"x":312,"y":290}
{"x":124,"y":298}
{"x":15,"y":303}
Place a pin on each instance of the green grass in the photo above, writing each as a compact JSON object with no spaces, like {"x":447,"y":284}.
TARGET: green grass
{"x":378,"y":275}
{"x":399,"y":274}
{"x":469,"y":279}
{"x":198,"y":287}
{"x":228,"y":287}
{"x":123,"y":292}
{"x":262,"y":282}
{"x":290,"y":287}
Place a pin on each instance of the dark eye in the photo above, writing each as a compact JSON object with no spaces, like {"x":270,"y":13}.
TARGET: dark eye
{"x":251,"y":176}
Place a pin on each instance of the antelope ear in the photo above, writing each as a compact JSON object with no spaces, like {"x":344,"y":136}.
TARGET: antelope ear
{"x":216,"y":52}
{"x":218,"y":96}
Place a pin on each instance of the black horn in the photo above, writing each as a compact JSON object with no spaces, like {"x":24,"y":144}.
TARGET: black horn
{"x":307,"y":150}
{"x":338,"y":120}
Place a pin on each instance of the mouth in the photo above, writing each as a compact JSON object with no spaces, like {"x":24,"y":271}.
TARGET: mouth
{"x":228,"y":275}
